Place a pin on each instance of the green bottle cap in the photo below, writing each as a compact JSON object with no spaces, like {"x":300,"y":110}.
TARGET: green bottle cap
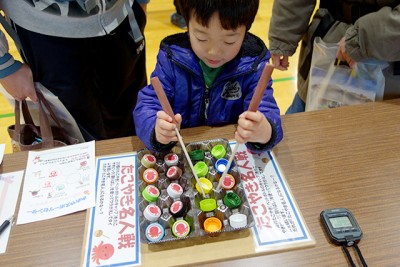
{"x":208,"y":204}
{"x":218,"y":151}
{"x":180,"y":228}
{"x":201,"y":169}
{"x":232,"y":200}
{"x":196,"y":154}
{"x":151,"y":193}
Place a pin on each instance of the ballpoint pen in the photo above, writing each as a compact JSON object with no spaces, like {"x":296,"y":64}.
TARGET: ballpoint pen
{"x":5,"y":224}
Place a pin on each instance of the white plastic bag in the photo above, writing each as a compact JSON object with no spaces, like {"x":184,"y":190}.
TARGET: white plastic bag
{"x":334,"y":85}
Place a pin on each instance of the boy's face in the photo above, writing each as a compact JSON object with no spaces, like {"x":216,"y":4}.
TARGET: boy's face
{"x":214,"y":45}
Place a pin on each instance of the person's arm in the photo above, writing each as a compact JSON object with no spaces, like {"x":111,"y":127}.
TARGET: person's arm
{"x":375,"y":36}
{"x":15,"y":77}
{"x":148,"y":105}
{"x":268,"y":108}
{"x":289,"y":22}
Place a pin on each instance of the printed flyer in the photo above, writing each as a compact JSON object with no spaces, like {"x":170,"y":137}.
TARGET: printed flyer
{"x":57,"y":182}
{"x":112,"y":234}
{"x":278,"y":222}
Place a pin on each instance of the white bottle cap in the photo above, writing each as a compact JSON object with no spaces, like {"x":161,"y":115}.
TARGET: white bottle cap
{"x":238,"y":220}
{"x":152,"y":212}
{"x":174,"y":190}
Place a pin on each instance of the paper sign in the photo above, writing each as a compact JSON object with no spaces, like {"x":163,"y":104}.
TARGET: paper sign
{"x":10,"y":184}
{"x":57,"y":182}
{"x":277,"y":219}
{"x":112,"y":236}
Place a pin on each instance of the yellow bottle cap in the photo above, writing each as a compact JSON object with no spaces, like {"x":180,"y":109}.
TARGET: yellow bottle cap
{"x":205,"y":184}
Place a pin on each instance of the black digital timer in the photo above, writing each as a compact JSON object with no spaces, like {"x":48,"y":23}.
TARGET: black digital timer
{"x":341,"y":226}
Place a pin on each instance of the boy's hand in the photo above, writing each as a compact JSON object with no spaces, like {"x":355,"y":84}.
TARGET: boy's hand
{"x":165,"y":128}
{"x":253,"y":127}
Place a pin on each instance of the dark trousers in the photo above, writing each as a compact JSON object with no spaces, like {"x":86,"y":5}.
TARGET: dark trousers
{"x":97,"y":79}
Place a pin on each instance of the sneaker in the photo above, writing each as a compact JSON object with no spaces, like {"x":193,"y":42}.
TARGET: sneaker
{"x":178,"y":20}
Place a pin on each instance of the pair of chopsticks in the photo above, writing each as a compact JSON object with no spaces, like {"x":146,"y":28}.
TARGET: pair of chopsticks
{"x":253,"y":106}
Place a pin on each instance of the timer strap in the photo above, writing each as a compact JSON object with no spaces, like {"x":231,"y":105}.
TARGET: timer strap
{"x":360,"y":255}
{"x":344,"y":246}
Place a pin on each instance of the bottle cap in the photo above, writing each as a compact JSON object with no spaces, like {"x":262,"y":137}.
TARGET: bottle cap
{"x":212,"y":224}
{"x":232,"y":200}
{"x":150,"y":193}
{"x":228,"y":182}
{"x":220,"y":165}
{"x":154,"y":232}
{"x":205,"y":184}
{"x":218,"y":151}
{"x":201,"y":169}
{"x":150,"y":176}
{"x":174,"y":173}
{"x":238,"y":220}
{"x":177,"y":209}
{"x":152,"y":212}
{"x":180,"y":228}
{"x":148,"y":160}
{"x":196,"y":154}
{"x":171,"y":159}
{"x":208,"y":204}
{"x":174,"y":190}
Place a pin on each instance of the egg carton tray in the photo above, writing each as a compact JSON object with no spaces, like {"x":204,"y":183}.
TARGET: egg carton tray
{"x":190,"y":197}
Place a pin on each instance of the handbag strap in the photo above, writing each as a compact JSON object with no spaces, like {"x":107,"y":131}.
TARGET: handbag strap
{"x":25,"y":113}
{"x":17,"y":128}
{"x":45,"y":127}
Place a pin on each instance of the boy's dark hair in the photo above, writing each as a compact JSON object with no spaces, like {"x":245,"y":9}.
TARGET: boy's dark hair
{"x":232,"y":13}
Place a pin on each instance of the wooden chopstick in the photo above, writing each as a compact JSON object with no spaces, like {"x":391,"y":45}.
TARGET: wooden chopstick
{"x":168,"y":109}
{"x":253,"y":106}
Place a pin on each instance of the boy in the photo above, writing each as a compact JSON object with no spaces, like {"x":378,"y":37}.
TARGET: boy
{"x":209,"y":75}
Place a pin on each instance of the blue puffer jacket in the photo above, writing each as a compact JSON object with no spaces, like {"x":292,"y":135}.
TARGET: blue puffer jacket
{"x":182,"y":79}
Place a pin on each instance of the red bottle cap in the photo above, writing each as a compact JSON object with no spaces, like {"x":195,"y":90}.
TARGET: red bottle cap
{"x":228,"y":182}
{"x":171,"y":159}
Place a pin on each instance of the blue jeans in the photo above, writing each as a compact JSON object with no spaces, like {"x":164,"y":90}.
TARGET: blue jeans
{"x":297,"y":105}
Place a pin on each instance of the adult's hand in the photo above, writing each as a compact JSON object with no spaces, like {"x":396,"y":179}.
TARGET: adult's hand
{"x":343,"y":55}
{"x":20,"y":84}
{"x":280,"y":62}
